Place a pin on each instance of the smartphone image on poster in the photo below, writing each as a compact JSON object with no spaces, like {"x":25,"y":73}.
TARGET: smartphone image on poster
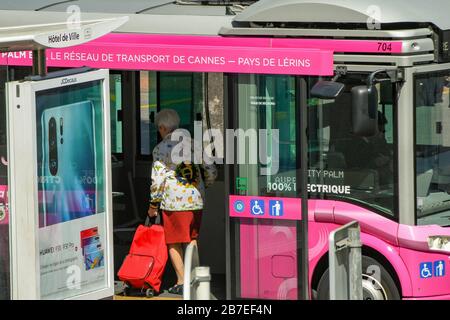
{"x":67,"y":167}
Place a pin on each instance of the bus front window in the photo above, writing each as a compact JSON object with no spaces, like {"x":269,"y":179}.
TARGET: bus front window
{"x":347,"y":167}
{"x":432,"y":114}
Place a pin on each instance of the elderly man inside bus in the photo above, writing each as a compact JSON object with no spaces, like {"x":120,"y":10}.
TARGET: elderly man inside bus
{"x":178,"y":191}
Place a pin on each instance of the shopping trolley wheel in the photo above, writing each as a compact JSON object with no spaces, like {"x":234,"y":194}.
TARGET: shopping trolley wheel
{"x":149,"y":293}
{"x":127,"y":291}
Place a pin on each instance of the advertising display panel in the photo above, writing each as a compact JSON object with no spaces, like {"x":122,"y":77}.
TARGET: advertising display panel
{"x":66,"y":201}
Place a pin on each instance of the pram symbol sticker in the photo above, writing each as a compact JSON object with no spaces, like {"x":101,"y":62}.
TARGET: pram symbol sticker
{"x":426,"y":270}
{"x":276,"y":208}
{"x":257,"y":207}
{"x":239,"y":206}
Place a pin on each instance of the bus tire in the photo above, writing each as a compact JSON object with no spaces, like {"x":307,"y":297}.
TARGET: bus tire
{"x":375,"y":287}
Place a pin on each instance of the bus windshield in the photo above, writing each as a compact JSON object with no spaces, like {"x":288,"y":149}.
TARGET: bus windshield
{"x":432,"y":114}
{"x":347,"y":167}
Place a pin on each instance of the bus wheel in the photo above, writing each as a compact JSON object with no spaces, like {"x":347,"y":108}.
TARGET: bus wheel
{"x":377,"y":282}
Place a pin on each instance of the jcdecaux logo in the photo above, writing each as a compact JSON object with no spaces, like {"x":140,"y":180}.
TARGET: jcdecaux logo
{"x":68,"y":80}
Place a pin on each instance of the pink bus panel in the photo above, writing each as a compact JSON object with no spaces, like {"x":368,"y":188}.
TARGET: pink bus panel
{"x":268,"y":259}
{"x":4,"y":209}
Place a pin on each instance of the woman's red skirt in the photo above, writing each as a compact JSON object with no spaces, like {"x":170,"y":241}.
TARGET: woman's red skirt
{"x":181,"y":226}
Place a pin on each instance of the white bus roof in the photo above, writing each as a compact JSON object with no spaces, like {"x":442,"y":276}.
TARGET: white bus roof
{"x":436,"y":12}
{"x":169,"y":7}
{"x":138,"y":23}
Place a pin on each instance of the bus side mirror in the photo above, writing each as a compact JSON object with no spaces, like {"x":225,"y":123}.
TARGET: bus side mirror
{"x":365,"y":110}
{"x":327,"y":89}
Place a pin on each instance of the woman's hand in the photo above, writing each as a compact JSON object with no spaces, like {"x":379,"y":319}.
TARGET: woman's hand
{"x":152,"y":212}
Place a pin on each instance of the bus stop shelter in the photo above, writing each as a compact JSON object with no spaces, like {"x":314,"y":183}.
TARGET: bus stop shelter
{"x":21,"y":271}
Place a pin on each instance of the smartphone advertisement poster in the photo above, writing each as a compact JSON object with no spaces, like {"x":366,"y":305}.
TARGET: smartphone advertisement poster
{"x":71,"y":190}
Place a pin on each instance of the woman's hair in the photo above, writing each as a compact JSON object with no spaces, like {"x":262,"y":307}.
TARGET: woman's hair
{"x":167,"y":118}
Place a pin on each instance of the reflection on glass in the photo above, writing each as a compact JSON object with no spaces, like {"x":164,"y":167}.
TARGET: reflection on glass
{"x":432,"y":114}
{"x":115,"y":94}
{"x":267,"y":248}
{"x":181,"y":91}
{"x":175,"y":92}
{"x":268,"y":103}
{"x":148,"y":100}
{"x":348,"y":167}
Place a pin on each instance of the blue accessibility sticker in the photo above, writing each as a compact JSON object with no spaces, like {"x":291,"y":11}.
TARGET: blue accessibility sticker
{"x":426,"y":270}
{"x":276,"y":208}
{"x":239,"y":206}
{"x":257,"y":207}
{"x":439,"y":268}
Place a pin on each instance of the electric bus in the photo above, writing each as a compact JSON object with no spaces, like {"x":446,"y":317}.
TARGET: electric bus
{"x":374,"y":80}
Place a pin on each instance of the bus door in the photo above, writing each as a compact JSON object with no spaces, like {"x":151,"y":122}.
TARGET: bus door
{"x":264,"y":203}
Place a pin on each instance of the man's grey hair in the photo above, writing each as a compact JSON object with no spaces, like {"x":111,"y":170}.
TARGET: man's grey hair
{"x":167,"y":118}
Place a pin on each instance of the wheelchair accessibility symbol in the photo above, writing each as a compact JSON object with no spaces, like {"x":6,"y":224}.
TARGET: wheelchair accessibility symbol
{"x":257,"y":207}
{"x":426,"y":270}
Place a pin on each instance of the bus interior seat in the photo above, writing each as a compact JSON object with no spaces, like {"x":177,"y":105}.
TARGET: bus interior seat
{"x":362,"y":179}
{"x":424,"y":182}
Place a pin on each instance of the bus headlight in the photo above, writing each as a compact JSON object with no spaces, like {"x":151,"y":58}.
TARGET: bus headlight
{"x":441,"y":243}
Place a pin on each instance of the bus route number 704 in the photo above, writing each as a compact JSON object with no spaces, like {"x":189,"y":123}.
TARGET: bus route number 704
{"x":384,"y":46}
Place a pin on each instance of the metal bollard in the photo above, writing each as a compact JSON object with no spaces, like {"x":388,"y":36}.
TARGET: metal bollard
{"x":201,"y":284}
{"x":355,"y":264}
{"x":345,"y":263}
{"x":196,"y":278}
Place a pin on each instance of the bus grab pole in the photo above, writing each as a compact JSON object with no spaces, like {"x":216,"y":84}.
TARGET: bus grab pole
{"x":302,"y":104}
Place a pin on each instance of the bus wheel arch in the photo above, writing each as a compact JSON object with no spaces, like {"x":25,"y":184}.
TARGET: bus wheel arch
{"x":386,"y":264}
{"x":372,"y":261}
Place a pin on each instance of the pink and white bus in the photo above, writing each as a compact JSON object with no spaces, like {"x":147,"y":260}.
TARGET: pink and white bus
{"x":375,"y":146}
